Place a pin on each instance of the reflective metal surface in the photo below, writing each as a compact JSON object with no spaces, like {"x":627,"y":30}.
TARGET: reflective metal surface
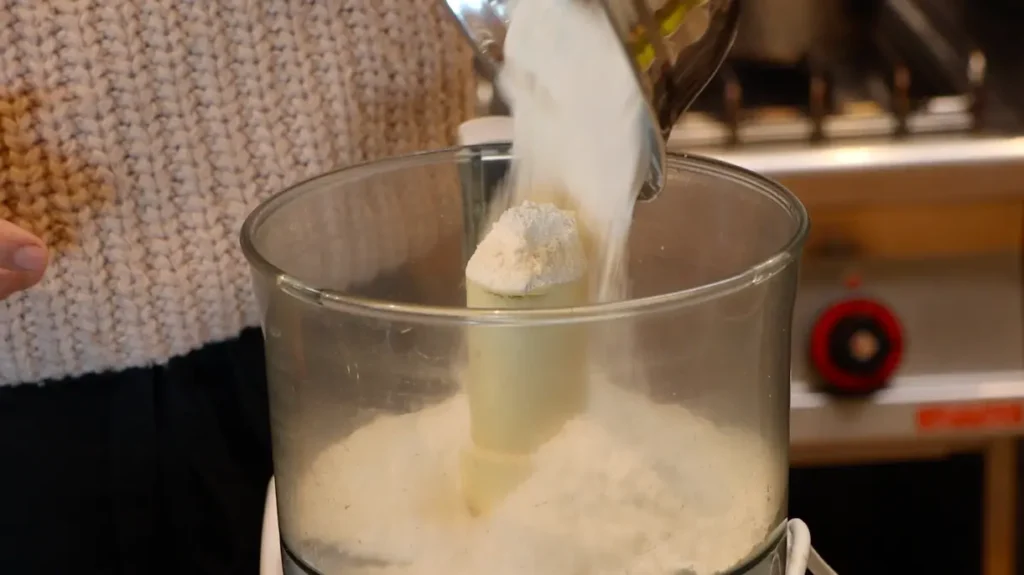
{"x":484,"y":23}
{"x":960,"y":318}
{"x":676,"y":47}
{"x":942,"y":168}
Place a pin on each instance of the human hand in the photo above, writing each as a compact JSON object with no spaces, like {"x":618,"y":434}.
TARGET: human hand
{"x":23,"y":259}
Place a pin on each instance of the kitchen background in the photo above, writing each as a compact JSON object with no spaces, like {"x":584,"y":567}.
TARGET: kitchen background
{"x":899,"y":124}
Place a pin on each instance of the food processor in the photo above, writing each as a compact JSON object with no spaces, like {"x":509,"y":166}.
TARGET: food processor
{"x":359,"y":275}
{"x":674,"y":456}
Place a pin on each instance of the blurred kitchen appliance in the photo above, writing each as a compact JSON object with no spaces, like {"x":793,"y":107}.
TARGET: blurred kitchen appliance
{"x":858,"y":70}
{"x":788,"y":31}
{"x":907,"y":145}
{"x":908,"y":384}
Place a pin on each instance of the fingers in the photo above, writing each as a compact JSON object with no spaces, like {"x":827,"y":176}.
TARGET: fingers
{"x":23,"y":259}
{"x":13,"y":282}
{"x":20,"y":250}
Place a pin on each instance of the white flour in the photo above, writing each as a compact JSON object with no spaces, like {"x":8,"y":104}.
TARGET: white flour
{"x":578,"y":126}
{"x":629,"y":487}
{"x":530,"y":248}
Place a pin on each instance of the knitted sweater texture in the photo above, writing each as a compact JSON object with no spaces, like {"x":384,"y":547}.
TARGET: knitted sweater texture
{"x":136,"y":135}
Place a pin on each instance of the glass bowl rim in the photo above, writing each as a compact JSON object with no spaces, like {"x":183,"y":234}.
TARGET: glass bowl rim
{"x":336,"y":300}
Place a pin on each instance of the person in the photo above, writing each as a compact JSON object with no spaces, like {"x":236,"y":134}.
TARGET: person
{"x":135,"y":137}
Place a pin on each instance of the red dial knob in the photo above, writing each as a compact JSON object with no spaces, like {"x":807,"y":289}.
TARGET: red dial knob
{"x":856,"y":345}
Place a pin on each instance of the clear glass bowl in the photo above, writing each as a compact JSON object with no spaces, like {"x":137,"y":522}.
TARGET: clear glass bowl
{"x":677,"y":465}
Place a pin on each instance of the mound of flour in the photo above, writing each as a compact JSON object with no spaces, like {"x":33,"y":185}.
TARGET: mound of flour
{"x":531,"y":247}
{"x":627,"y":487}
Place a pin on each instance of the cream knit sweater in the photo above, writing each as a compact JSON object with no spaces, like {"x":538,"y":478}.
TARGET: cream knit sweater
{"x":136,"y":135}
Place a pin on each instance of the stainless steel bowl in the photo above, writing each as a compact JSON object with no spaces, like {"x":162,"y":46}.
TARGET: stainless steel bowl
{"x":676,"y":47}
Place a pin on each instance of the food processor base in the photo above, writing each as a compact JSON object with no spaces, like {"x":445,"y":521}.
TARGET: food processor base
{"x":792,"y":555}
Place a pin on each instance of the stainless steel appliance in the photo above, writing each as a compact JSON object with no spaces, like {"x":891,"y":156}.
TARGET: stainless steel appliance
{"x":907,"y":69}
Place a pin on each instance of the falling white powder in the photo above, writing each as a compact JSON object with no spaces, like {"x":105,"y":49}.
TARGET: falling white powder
{"x":627,"y":487}
{"x":530,"y":248}
{"x":578,"y":126}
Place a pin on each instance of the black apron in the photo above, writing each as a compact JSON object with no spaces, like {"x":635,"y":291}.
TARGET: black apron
{"x":159,"y":470}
